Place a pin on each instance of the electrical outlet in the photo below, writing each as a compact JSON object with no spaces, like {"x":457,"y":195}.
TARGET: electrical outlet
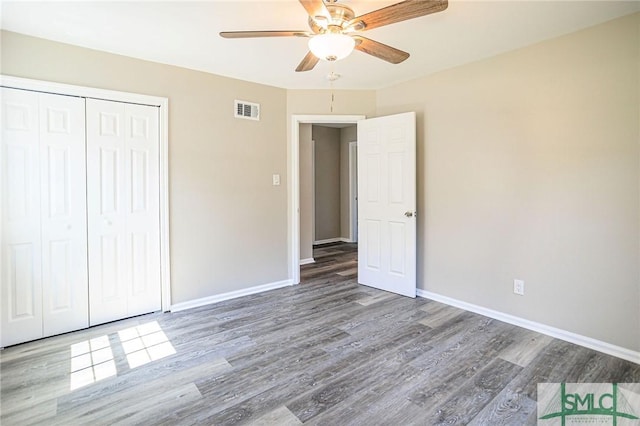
{"x":518,"y":287}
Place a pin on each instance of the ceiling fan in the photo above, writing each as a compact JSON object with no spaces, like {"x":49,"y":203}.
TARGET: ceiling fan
{"x":333,"y":27}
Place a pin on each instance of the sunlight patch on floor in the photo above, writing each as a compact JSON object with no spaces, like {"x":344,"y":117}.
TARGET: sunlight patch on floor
{"x":91,"y":361}
{"x":145,"y":343}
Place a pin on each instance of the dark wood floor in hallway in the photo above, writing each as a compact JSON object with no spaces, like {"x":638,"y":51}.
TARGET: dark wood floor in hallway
{"x":327,"y":352}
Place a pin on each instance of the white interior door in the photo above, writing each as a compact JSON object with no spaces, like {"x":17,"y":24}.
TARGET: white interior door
{"x":63,"y":214}
{"x":106,"y":211}
{"x":142,"y":142}
{"x":387,"y":203}
{"x":21,"y":243}
{"x":44,"y":243}
{"x":123,"y":212}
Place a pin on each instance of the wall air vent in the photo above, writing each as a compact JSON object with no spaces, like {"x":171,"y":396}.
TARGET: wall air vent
{"x":248,"y":110}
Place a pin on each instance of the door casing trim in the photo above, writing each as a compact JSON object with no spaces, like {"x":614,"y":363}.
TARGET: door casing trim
{"x":293,"y":185}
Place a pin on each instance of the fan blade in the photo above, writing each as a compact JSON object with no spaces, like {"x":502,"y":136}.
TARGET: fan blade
{"x":398,"y":12}
{"x":316,"y":8}
{"x":380,"y":50}
{"x":250,"y":34}
{"x":308,"y":62}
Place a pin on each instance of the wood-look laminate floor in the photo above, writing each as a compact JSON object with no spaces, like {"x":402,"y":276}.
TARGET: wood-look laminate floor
{"x":327,"y":352}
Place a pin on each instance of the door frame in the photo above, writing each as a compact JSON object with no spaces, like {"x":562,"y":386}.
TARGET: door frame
{"x":133,"y":98}
{"x":293,"y":187}
{"x":313,"y":192}
{"x":353,"y":190}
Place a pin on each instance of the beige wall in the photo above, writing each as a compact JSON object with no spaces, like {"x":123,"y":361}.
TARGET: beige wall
{"x":306,"y":192}
{"x":528,"y":168}
{"x":346,"y":102}
{"x":347,"y":134}
{"x":327,"y":182}
{"x":228,"y":224}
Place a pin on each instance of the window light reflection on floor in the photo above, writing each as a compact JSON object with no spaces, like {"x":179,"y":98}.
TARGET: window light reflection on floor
{"x":91,"y":361}
{"x":145,"y":343}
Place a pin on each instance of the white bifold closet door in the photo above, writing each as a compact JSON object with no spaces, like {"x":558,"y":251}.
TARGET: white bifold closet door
{"x":123,"y":206}
{"x":44,"y":246}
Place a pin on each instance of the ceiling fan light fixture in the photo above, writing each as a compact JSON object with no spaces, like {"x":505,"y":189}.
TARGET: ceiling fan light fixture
{"x":331,"y":46}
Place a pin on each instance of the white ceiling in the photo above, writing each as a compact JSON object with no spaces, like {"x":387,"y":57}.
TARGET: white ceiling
{"x":186,"y":34}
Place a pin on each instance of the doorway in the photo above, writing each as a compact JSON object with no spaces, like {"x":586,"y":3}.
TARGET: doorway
{"x":294,"y":187}
{"x":327,"y":196}
{"x":328,"y":185}
{"x":387,"y":216}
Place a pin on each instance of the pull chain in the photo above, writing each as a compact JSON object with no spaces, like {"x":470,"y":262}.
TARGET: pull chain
{"x":331,"y":78}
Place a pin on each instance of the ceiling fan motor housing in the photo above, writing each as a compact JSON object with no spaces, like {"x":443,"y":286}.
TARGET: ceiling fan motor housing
{"x":341,"y":15}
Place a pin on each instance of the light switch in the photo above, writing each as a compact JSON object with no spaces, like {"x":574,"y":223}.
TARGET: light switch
{"x":276,"y":180}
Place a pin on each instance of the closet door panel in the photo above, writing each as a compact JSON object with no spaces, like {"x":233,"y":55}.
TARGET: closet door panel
{"x":80,"y":241}
{"x":143,"y":222}
{"x":64,"y":225}
{"x":20,"y":248}
{"x":106,"y":204}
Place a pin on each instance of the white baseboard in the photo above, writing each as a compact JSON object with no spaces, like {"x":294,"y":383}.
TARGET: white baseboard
{"x":307,"y":261}
{"x":333,"y":240}
{"x":567,"y":336}
{"x":230,"y":295}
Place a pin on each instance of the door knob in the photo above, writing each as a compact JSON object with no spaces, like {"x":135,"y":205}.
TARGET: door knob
{"x":408,"y":214}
